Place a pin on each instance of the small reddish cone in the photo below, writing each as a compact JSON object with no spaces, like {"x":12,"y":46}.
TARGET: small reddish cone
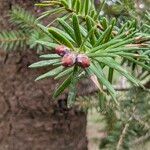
{"x":68,"y":60}
{"x":83,"y":61}
{"x":61,"y":50}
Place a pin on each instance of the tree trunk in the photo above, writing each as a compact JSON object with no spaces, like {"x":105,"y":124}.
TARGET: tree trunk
{"x":29,"y":119}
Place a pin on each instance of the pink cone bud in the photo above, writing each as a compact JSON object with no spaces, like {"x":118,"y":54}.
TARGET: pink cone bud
{"x":61,"y":50}
{"x":83,"y":61}
{"x":68,"y":59}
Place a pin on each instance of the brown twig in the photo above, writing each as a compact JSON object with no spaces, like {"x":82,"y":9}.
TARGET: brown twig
{"x":124,"y":131}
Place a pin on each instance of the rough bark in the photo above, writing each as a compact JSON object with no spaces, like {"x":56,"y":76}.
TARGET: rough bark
{"x":29,"y":119}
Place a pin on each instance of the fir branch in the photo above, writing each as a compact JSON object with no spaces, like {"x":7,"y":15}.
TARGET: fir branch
{"x":123,"y":134}
{"x":10,"y":40}
{"x":23,"y":19}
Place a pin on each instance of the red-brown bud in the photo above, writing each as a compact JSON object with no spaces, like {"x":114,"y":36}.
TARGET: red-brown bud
{"x":61,"y":50}
{"x":69,"y":59}
{"x":83,"y":61}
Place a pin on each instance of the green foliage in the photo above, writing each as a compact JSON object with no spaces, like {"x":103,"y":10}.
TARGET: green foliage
{"x":128,"y":124}
{"x":143,"y":37}
{"x":10,"y":40}
{"x":79,"y":26}
{"x":26,"y":33}
{"x":119,"y":44}
{"x":24,"y":20}
{"x":102,"y":48}
{"x":65,"y":7}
